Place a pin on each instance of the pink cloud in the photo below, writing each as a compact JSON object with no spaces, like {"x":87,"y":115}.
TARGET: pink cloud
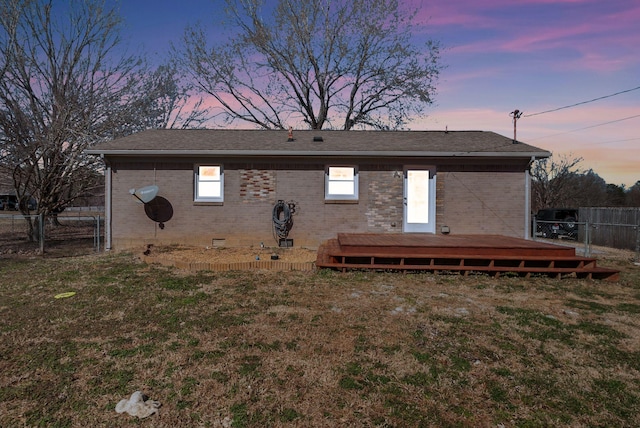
{"x":610,"y":150}
{"x":599,"y":62}
{"x":616,"y":165}
{"x":465,"y":12}
{"x":443,"y":14}
{"x":597,"y":29}
{"x":544,"y":38}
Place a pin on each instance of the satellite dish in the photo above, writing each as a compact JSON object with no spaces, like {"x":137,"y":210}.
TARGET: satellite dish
{"x":156,"y":207}
{"x":145,"y":194}
{"x":159,"y":210}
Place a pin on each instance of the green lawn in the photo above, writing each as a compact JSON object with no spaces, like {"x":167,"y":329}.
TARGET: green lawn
{"x":325,"y":349}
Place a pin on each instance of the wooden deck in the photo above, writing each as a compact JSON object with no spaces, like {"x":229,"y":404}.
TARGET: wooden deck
{"x":465,"y":254}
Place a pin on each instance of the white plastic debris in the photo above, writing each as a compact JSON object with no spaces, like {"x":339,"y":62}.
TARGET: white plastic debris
{"x":138,"y":405}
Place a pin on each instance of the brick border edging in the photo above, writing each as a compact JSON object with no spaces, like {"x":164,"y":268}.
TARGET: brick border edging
{"x":275,"y":265}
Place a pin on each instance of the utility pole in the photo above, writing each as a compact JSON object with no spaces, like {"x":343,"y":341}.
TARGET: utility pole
{"x":515,"y":115}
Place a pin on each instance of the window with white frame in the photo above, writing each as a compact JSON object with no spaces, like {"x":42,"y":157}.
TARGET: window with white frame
{"x":209,"y":183}
{"x":341,"y":183}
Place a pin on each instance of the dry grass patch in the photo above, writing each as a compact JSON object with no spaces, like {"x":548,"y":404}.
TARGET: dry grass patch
{"x":195,"y":259}
{"x":231,"y":254}
{"x":249,"y":349}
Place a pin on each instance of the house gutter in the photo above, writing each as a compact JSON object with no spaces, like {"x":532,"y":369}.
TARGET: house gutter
{"x":317,"y":153}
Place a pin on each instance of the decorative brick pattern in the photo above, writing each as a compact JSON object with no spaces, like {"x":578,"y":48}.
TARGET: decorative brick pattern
{"x":257,"y":185}
{"x":384,"y":212}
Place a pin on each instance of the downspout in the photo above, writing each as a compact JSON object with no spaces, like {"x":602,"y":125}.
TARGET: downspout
{"x":107,"y":208}
{"x":527,"y":200}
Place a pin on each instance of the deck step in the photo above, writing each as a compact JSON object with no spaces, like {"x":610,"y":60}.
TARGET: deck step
{"x":523,"y":259}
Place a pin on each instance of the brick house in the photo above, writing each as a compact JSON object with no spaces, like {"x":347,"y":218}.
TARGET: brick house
{"x":222,"y":187}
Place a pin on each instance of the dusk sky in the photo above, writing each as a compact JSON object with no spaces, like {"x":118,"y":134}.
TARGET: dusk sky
{"x":500,"y":55}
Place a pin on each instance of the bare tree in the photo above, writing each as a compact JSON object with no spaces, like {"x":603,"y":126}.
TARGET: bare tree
{"x":333,"y":63}
{"x":585,"y":189}
{"x":559,"y":183}
{"x":551,"y":181}
{"x":633,"y":195}
{"x":9,"y":13}
{"x":62,"y":89}
{"x":616,"y":195}
{"x":170,"y":102}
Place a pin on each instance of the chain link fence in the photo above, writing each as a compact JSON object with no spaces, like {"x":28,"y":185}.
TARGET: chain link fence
{"x":79,"y":231}
{"x":585,"y":234}
{"x":72,"y":232}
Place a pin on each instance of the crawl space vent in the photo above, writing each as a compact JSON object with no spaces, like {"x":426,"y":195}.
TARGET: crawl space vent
{"x":218,"y":242}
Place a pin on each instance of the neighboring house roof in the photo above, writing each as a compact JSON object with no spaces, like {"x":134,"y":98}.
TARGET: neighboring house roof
{"x":6,"y":184}
{"x":219,"y":142}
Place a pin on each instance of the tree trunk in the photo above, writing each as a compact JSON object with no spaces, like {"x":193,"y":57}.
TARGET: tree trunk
{"x":33,"y":229}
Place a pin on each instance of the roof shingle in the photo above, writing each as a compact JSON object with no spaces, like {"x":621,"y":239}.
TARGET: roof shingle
{"x":173,"y":142}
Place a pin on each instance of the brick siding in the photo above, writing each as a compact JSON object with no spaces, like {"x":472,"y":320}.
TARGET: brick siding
{"x":466,"y":201}
{"x":483,"y":202}
{"x":384,"y":213}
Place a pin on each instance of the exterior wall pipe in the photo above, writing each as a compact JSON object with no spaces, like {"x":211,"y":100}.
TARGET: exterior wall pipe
{"x":107,"y":208}
{"x":527,"y":200}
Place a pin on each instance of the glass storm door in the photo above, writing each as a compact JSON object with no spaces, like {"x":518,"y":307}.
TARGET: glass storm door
{"x":419,"y":201}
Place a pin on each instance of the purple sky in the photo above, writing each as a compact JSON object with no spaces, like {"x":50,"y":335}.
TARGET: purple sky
{"x":501,"y":55}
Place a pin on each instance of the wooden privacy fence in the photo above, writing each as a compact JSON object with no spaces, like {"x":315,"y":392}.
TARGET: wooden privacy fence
{"x":611,"y":227}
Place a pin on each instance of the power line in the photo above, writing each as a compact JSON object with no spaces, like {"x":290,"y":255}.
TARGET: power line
{"x":588,"y":127}
{"x":583,"y":102}
{"x":612,"y":141}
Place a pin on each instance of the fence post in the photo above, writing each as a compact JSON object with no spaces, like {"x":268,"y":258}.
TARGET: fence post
{"x":587,"y":239}
{"x":637,"y":244}
{"x":98,"y":234}
{"x":41,"y":232}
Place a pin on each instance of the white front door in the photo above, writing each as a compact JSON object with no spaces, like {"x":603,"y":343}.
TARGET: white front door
{"x":419,"y":201}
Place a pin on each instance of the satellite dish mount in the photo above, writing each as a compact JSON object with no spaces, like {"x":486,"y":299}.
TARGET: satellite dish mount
{"x":145,"y":194}
{"x":156,"y":207}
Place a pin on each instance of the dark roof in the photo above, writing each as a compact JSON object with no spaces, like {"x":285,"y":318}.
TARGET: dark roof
{"x":6,"y":184}
{"x":217,"y":142}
